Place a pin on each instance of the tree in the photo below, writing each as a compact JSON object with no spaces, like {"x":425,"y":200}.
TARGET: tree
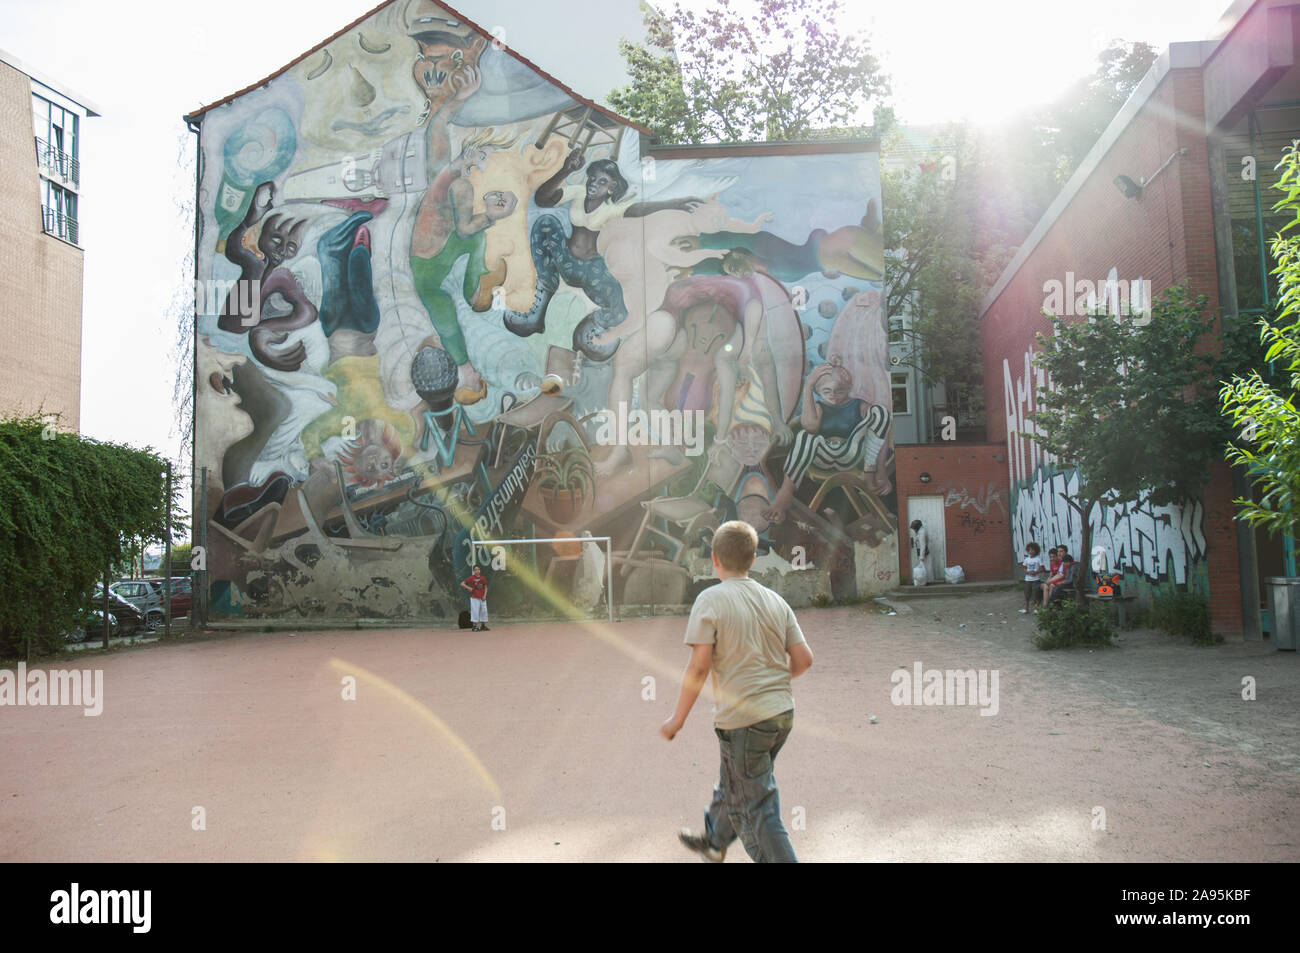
{"x":69,"y":508}
{"x":1071,"y":126}
{"x":939,"y":264}
{"x":1029,"y":161}
{"x":1265,"y":414}
{"x":782,"y":71}
{"x":1133,"y":406}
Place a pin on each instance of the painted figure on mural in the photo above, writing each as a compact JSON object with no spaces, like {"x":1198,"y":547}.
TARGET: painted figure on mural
{"x":855,"y":250}
{"x":574,"y":258}
{"x":257,"y":304}
{"x":706,"y":329}
{"x":447,"y":229}
{"x":840,"y":433}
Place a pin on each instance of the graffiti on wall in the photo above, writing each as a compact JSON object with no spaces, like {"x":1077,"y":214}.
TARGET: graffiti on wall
{"x":442,"y":301}
{"x":1157,"y":542}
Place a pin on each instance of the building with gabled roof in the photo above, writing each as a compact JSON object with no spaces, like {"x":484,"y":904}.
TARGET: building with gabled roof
{"x":444,"y":298}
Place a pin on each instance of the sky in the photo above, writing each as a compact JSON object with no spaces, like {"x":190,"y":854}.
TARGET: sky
{"x":144,"y":64}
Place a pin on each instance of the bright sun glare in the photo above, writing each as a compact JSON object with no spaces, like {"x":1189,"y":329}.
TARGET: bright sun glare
{"x":986,"y":62}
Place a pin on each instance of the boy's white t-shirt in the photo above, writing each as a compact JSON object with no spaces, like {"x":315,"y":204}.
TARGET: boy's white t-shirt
{"x":750,"y":628}
{"x":1033,"y":568}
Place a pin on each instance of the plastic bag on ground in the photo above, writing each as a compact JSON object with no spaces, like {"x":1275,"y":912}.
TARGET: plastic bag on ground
{"x":954,"y":574}
{"x":919,"y":576}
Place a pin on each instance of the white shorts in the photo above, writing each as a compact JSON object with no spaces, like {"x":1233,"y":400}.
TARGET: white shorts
{"x":477,"y":610}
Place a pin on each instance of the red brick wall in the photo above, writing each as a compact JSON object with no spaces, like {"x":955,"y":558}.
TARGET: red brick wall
{"x":1166,"y":237}
{"x":973,"y":484}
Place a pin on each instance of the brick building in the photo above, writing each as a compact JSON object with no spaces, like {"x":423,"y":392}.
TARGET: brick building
{"x":41,"y":257}
{"x":1175,"y":191}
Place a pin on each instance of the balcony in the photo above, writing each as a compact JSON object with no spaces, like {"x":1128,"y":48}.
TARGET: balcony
{"x":58,"y":224}
{"x":56,"y":163}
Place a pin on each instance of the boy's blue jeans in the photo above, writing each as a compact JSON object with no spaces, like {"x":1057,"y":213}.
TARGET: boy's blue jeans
{"x":745,"y":800}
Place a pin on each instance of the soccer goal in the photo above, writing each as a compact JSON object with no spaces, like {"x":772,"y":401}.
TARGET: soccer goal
{"x":569,"y":575}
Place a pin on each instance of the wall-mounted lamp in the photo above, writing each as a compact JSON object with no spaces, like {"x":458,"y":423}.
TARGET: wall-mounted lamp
{"x":1130,"y":188}
{"x":1133,"y":190}
{"x":925,"y":478}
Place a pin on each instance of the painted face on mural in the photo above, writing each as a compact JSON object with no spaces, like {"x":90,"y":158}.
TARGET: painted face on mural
{"x":471,"y":158}
{"x":749,"y":443}
{"x":600,"y":186}
{"x":445,"y":69}
{"x":225,"y":423}
{"x":280,"y":239}
{"x":834,"y":386}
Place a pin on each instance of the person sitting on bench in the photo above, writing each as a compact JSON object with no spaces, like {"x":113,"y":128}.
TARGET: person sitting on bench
{"x":1061,"y":585}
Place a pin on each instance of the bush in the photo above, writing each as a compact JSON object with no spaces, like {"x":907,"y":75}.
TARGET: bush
{"x":69,"y":507}
{"x":1065,"y":624}
{"x":1182,"y":613}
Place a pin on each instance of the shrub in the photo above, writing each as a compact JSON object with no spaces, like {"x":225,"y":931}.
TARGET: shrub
{"x":69,"y":508}
{"x":1182,"y":613}
{"x":1065,"y":624}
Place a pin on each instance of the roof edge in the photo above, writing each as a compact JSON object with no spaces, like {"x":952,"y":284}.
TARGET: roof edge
{"x":782,"y":147}
{"x":195,"y":117}
{"x":92,"y":110}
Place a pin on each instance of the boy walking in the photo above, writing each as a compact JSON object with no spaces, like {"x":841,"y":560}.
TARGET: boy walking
{"x":747,"y":636}
{"x":477,"y":586}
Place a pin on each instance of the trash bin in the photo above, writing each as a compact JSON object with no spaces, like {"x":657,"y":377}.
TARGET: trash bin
{"x":1284,"y":608}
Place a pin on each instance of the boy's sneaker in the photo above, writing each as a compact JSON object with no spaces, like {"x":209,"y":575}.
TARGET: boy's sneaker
{"x":484,"y":628}
{"x":700,"y":844}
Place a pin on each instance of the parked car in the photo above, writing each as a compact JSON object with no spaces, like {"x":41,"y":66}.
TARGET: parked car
{"x":148,"y":596}
{"x":182,"y":596}
{"x":123,"y":617}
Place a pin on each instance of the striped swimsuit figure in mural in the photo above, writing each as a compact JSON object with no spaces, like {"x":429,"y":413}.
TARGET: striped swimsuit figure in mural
{"x":840,"y":433}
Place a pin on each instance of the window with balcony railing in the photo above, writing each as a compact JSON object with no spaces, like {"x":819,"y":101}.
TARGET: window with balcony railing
{"x":59,"y":211}
{"x":59,"y":224}
{"x":51,"y":160}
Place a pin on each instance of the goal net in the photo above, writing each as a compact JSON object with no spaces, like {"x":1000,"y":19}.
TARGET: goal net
{"x":545,"y":579}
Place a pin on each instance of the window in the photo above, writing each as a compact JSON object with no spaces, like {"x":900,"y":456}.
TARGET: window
{"x":898,"y":383}
{"x":59,"y":211}
{"x":56,"y":139}
{"x":896,"y":327}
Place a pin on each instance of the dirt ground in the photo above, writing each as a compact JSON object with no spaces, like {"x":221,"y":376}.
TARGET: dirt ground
{"x":539,"y":743}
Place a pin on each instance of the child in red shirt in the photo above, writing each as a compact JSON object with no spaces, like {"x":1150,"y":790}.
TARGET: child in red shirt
{"x":477,"y":586}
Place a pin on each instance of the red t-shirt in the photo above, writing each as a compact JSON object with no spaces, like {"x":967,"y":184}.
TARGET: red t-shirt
{"x":477,"y":587}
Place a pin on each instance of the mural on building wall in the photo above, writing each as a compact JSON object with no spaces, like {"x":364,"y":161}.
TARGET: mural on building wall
{"x":443,"y":302}
{"x":1159,"y":544}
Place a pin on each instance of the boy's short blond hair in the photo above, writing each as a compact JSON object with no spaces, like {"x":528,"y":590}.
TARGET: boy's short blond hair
{"x":734,"y":545}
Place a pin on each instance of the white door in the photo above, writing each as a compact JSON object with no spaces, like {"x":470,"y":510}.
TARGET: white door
{"x":929,"y":510}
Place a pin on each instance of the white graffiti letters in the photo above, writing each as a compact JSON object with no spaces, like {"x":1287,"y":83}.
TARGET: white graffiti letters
{"x":1160,"y":542}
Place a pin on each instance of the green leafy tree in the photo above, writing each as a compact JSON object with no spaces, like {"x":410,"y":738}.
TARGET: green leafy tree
{"x":1072,"y":124}
{"x":938,"y":265}
{"x":69,"y":507}
{"x":1133,"y":405}
{"x":781,"y":70}
{"x":1264,"y":413}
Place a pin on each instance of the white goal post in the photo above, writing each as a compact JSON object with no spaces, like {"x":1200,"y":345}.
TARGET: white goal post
{"x":580,"y":540}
